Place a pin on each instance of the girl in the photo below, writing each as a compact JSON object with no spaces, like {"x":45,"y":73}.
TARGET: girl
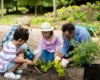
{"x":49,"y":44}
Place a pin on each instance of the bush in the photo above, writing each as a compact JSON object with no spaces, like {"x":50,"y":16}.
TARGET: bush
{"x":70,"y":19}
{"x":97,"y":16}
{"x":40,"y":20}
{"x":81,"y":15}
{"x":84,"y":52}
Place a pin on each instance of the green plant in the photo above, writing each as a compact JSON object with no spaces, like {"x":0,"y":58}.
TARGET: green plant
{"x":84,"y":53}
{"x":60,"y":69}
{"x":45,"y":67}
{"x":81,"y":15}
{"x":70,"y":19}
{"x":97,"y":2}
{"x":88,"y":4}
{"x":97,"y":7}
{"x":97,"y":16}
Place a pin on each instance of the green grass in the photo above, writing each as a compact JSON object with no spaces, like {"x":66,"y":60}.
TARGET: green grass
{"x":9,"y":19}
{"x":23,"y":9}
{"x":12,"y":18}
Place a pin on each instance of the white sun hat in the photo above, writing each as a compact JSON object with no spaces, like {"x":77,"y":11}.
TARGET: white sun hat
{"x":46,"y":27}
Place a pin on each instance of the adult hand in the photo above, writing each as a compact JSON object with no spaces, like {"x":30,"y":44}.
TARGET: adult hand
{"x":64,"y":62}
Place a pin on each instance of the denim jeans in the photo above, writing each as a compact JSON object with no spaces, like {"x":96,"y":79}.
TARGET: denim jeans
{"x":10,"y":66}
{"x":30,"y":56}
{"x":47,"y":56}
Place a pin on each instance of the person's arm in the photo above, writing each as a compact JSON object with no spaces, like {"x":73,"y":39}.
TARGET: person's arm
{"x":66,"y":45}
{"x":22,"y":60}
{"x":37,"y":56}
{"x":58,"y":45}
{"x":39,"y":50}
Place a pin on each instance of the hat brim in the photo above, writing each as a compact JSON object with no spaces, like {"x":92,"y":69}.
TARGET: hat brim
{"x":26,"y":27}
{"x":51,"y":29}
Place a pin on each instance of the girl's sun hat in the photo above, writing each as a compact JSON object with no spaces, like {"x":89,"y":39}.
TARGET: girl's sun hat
{"x":46,"y":27}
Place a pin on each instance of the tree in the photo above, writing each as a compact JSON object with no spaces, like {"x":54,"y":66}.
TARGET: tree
{"x":10,"y":5}
{"x":35,"y":4}
{"x":2,"y":6}
{"x":54,"y":9}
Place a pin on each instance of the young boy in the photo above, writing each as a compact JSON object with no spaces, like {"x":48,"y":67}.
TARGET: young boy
{"x":10,"y":57}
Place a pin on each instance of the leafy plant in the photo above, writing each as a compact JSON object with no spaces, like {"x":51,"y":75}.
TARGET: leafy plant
{"x":84,"y":53}
{"x":97,"y":16}
{"x":97,"y":2}
{"x":60,"y":69}
{"x":81,"y":15}
{"x":45,"y":67}
{"x":88,"y":4}
{"x":70,"y":19}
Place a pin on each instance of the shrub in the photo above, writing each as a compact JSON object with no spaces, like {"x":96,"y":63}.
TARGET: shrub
{"x":84,"y":53}
{"x":96,"y":16}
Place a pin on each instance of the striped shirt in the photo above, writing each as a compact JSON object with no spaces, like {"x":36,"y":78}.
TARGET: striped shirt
{"x":7,"y":55}
{"x":50,"y":46}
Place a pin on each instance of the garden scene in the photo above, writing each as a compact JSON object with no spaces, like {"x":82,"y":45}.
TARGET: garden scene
{"x":64,"y":18}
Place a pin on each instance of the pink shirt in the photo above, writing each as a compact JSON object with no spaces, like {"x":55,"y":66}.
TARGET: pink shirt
{"x":50,"y":46}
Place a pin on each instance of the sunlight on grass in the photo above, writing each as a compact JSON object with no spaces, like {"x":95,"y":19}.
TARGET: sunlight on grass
{"x":9,"y":19}
{"x":23,"y":9}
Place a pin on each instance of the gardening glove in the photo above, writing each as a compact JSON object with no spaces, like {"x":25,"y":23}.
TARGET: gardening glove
{"x":64,"y":62}
{"x":57,"y":59}
{"x":35,"y":52}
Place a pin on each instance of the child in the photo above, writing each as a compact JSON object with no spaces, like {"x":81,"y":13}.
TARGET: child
{"x":10,"y":60}
{"x":24,"y":23}
{"x":49,"y":44}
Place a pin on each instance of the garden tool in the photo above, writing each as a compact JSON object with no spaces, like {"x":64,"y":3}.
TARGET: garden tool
{"x":38,"y":70}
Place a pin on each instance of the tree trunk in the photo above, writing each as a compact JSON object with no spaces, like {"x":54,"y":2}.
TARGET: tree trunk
{"x":41,"y":9}
{"x":2,"y":6}
{"x":35,"y":10}
{"x":16,"y":8}
{"x":7,"y":10}
{"x":54,"y":10}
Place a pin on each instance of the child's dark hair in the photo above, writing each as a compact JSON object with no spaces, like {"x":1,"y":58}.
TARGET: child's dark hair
{"x":21,"y":34}
{"x":51,"y":33}
{"x":68,"y":27}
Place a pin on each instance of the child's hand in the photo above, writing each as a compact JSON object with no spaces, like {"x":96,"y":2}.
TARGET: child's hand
{"x":57,"y":59}
{"x":29,"y":62}
{"x":56,"y":54}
